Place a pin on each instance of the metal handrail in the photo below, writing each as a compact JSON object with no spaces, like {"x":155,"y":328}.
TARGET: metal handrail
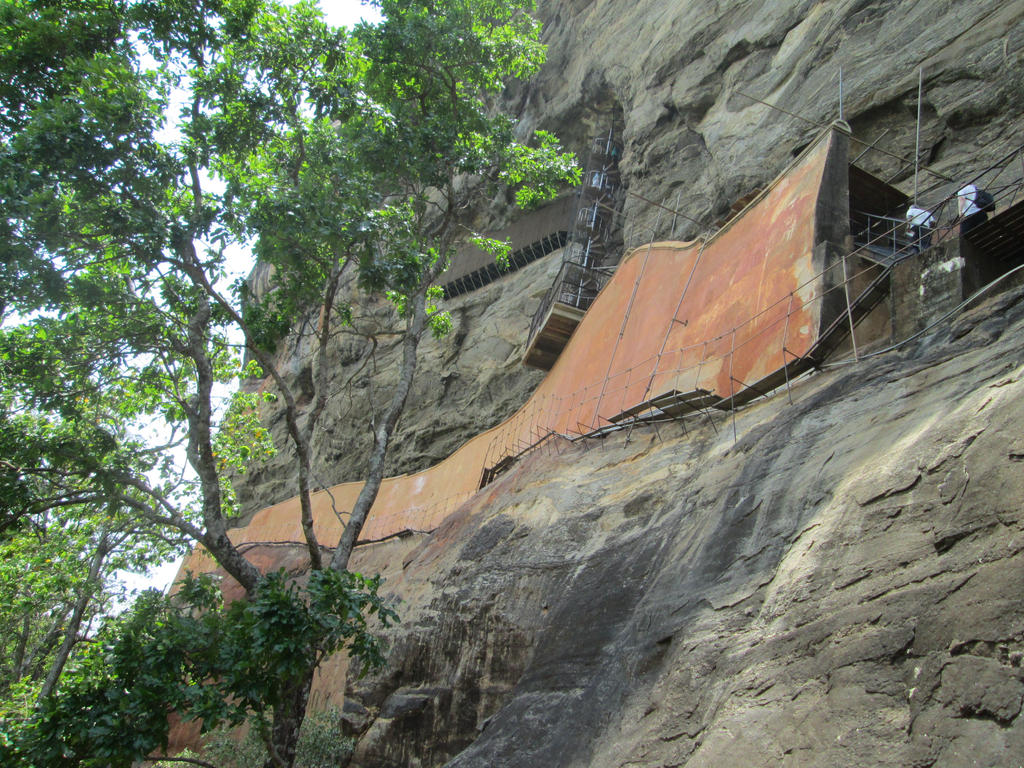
{"x":883,"y":233}
{"x":606,"y":145}
{"x":575,"y":285}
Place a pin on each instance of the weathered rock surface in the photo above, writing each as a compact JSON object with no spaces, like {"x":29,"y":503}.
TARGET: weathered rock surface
{"x":465,"y":383}
{"x":838,"y":585}
{"x":671,"y":73}
{"x":674,"y":73}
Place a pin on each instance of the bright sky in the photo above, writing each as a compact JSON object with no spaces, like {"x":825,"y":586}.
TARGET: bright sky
{"x":345,"y":13}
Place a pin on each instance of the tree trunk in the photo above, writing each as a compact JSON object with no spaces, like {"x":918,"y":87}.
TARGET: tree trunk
{"x":288,"y":717}
{"x":17,"y":664}
{"x":382,"y":434}
{"x":71,"y":631}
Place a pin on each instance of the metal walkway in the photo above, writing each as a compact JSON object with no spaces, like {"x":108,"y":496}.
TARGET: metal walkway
{"x":674,"y":405}
{"x":828,"y":342}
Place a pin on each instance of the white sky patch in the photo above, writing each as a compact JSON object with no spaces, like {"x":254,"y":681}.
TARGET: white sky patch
{"x":159,"y":576}
{"x":347,"y":13}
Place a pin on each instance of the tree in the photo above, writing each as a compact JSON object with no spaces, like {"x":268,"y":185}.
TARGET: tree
{"x":66,"y":499}
{"x":343,"y":157}
{"x":54,"y":584}
{"x":194,"y":654}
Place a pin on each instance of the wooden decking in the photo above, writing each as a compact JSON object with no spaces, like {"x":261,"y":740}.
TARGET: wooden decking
{"x":547,"y":344}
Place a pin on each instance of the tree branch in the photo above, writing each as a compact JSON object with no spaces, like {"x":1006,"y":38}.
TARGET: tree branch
{"x":191,"y":760}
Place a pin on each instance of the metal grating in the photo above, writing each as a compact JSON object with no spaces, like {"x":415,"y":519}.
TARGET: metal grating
{"x":478,"y":278}
{"x":1002,"y":236}
{"x":560,"y":311}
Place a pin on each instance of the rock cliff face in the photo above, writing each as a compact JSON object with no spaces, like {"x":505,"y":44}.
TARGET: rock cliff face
{"x":465,"y":383}
{"x":670,"y":75}
{"x":675,"y":74}
{"x":829,"y":582}
{"x":837,"y":585}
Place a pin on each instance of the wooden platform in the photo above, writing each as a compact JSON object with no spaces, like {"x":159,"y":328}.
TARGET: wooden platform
{"x":554,"y":333}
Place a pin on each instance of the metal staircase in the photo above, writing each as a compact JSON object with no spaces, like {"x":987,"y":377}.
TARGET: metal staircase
{"x":588,"y":259}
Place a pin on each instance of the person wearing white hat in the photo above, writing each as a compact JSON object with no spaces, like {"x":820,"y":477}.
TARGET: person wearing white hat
{"x":971,"y":214}
{"x":920,"y":223}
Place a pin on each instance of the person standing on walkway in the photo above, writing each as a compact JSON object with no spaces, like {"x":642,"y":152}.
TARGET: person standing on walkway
{"x":920,"y":223}
{"x":971,"y":214}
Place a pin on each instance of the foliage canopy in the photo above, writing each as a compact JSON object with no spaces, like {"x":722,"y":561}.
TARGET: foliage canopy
{"x":140,"y":142}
